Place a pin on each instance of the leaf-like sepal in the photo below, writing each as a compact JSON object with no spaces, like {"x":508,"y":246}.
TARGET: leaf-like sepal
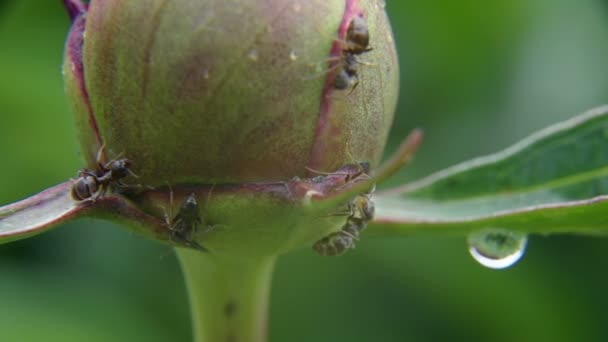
{"x":38,"y":213}
{"x":556,"y":180}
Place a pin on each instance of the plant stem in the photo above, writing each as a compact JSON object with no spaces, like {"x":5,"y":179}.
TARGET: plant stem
{"x":228,"y":296}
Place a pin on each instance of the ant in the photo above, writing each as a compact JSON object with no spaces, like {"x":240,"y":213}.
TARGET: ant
{"x":187,"y":221}
{"x":92,"y":185}
{"x":360,"y":210}
{"x":356,"y":43}
{"x":346,"y":64}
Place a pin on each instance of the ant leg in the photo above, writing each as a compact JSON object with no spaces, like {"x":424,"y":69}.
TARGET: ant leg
{"x":132,"y":173}
{"x":369,"y":64}
{"x":175,"y":225}
{"x":123,"y":185}
{"x":166,"y":216}
{"x":348,"y":212}
{"x":101,"y":155}
{"x":107,"y":165}
{"x":102,"y":192}
{"x":322,"y":72}
{"x":196,"y":245}
{"x":85,"y":172}
{"x":350,"y":235}
{"x":322,"y":173}
{"x":170,"y":204}
{"x":354,"y":87}
{"x":211,"y":228}
{"x":209,"y":195}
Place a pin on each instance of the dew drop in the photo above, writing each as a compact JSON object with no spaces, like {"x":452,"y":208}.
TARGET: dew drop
{"x":253,"y":55}
{"x":497,"y":248}
{"x":293,"y":55}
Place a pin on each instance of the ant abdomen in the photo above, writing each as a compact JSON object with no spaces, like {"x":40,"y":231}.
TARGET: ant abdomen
{"x":84,"y":188}
{"x":334,"y":244}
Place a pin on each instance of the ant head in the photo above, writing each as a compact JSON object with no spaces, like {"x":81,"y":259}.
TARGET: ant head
{"x":120,"y":167}
{"x":189,"y":209}
{"x":357,"y":35}
{"x":367,"y":209}
{"x":190,"y":203}
{"x":365,"y":167}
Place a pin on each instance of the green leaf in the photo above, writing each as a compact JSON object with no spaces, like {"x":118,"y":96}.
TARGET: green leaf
{"x":554,"y":181}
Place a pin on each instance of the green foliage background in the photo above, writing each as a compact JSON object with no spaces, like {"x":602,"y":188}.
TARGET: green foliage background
{"x":476,"y":75}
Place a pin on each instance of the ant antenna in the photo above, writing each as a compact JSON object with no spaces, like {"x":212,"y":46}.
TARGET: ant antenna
{"x":169,"y":216}
{"x":321,"y":172}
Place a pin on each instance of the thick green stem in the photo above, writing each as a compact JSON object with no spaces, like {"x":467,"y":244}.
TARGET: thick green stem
{"x":228,"y":296}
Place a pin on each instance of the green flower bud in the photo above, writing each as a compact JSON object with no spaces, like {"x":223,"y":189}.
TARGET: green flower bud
{"x":236,"y":104}
{"x":231,"y":91}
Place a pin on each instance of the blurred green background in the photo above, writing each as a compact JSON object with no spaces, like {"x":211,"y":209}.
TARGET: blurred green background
{"x":476,"y":75}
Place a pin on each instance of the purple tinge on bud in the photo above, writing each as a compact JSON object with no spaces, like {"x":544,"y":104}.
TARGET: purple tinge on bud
{"x":75,"y":82}
{"x":328,"y":129}
{"x":75,"y":8}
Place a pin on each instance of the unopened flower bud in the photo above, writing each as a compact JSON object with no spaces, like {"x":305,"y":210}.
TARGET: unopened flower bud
{"x":231,"y":91}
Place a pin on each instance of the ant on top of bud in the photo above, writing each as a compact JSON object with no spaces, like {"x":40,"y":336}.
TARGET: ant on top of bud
{"x":356,"y":43}
{"x":357,"y":36}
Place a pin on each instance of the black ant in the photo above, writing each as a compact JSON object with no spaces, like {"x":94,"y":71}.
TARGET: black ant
{"x":356,"y":43}
{"x":346,"y":64}
{"x":360,"y":210}
{"x":186,"y":223}
{"x":92,"y":185}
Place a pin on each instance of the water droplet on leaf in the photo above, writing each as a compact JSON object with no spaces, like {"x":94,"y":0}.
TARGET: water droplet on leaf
{"x":497,"y":248}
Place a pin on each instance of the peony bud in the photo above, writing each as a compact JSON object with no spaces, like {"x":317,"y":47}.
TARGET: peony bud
{"x":231,"y":91}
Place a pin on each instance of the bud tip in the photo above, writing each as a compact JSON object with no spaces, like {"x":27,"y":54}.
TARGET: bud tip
{"x":75,"y":8}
